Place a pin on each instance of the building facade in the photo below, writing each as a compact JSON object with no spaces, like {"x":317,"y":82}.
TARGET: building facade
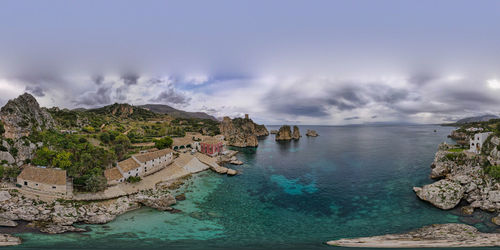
{"x":211,"y":147}
{"x":476,"y":142}
{"x":49,"y":180}
{"x":139,"y":165}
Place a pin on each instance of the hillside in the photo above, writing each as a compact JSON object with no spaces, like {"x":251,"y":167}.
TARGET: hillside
{"x":483,"y":118}
{"x":165,"y":109}
{"x":124,"y":111}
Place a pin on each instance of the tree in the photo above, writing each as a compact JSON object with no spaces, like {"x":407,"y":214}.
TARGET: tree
{"x":95,"y":183}
{"x":104,"y":137}
{"x":44,"y":156}
{"x":165,"y":142}
{"x":62,"y":160}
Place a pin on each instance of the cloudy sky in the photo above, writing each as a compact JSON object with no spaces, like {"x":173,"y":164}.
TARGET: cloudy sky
{"x":304,"y":62}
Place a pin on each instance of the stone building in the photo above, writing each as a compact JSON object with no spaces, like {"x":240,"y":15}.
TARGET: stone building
{"x":49,"y":180}
{"x":139,"y":165}
{"x":476,"y":142}
{"x":211,"y":146}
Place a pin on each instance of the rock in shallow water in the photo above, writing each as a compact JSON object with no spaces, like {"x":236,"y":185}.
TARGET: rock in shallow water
{"x":443,"y":194}
{"x":9,"y":240}
{"x":7,"y":223}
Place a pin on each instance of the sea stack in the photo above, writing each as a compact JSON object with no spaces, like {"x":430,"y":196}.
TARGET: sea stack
{"x":242,"y":132}
{"x":311,"y":133}
{"x":285,"y":133}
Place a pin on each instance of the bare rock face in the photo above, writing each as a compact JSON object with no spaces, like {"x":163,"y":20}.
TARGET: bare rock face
{"x":158,"y":199}
{"x":444,"y":194}
{"x":22,"y":115}
{"x":296,"y":133}
{"x":284,"y":133}
{"x":311,"y":133}
{"x":274,"y":131}
{"x":438,"y":235}
{"x":9,"y":240}
{"x":241,"y":132}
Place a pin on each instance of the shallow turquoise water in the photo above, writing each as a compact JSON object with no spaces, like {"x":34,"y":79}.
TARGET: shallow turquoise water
{"x":348,"y":182}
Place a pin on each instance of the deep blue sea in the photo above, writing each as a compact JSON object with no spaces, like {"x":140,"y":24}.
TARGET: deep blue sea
{"x":350,"y":181}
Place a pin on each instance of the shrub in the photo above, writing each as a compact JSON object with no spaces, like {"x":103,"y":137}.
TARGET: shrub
{"x":493,"y":171}
{"x":165,"y":142}
{"x":134,"y":179}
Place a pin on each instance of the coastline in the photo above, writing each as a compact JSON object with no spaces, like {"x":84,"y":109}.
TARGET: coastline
{"x":58,"y":216}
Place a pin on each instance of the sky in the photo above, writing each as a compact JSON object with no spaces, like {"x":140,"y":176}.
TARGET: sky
{"x":282,"y":62}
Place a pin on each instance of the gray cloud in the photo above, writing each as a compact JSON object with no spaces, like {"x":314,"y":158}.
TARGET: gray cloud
{"x":170,"y":95}
{"x":352,"y":118}
{"x":35,"y":90}
{"x":130,"y":78}
{"x":101,"y":96}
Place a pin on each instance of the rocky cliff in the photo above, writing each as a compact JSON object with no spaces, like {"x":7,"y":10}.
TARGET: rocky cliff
{"x":241,"y":132}
{"x":22,"y":115}
{"x":285,"y":133}
{"x":464,"y":176}
{"x":311,"y":133}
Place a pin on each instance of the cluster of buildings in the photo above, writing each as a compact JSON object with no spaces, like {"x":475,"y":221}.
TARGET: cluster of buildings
{"x":54,"y":181}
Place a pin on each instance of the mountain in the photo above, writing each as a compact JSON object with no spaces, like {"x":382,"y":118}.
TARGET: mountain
{"x":22,"y":115}
{"x":483,"y":118}
{"x":124,"y":110}
{"x":165,"y":109}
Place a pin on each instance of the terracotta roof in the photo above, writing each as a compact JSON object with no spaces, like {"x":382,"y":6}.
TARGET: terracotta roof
{"x":128,"y":164}
{"x":49,"y":176}
{"x":113,"y":174}
{"x":180,"y":141}
{"x":152,"y":155}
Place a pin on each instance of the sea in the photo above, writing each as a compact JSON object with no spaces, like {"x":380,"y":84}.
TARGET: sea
{"x":350,"y":181}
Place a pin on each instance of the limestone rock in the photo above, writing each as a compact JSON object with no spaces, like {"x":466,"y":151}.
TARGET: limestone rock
{"x":284,"y":133}
{"x":241,"y":132}
{"x":231,"y":172}
{"x":100,"y":218}
{"x":58,"y":229}
{"x":467,"y":210}
{"x":496,"y":220}
{"x":444,"y":235}
{"x":9,"y":240}
{"x":157,"y":199}
{"x":274,"y":131}
{"x":4,"y":195}
{"x":7,"y":223}
{"x":311,"y":133}
{"x":7,"y":157}
{"x":22,"y":115}
{"x":443,"y":194}
{"x":296,"y":133}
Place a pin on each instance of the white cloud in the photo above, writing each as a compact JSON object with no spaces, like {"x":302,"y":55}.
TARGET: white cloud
{"x":493,"y":83}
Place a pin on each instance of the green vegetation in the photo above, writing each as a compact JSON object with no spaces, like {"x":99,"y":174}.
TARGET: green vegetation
{"x":134,"y":179}
{"x":165,"y":142}
{"x":456,"y":150}
{"x":493,"y":171}
{"x":2,"y":128}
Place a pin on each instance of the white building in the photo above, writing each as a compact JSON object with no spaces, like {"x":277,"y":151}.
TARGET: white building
{"x":476,"y":142}
{"x":474,"y":129}
{"x":139,"y":165}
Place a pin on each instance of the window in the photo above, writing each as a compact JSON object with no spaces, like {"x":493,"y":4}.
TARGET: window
{"x":36,"y":184}
{"x":53,"y":187}
{"x":26,"y":183}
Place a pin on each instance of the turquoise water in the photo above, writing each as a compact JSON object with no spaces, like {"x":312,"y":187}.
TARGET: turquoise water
{"x":348,"y":182}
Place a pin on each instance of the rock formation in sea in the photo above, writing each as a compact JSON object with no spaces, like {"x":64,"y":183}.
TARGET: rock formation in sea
{"x":438,"y":235}
{"x":20,"y":117}
{"x":311,"y":133}
{"x":274,"y":131}
{"x":285,"y":133}
{"x":464,"y":176}
{"x":241,"y":132}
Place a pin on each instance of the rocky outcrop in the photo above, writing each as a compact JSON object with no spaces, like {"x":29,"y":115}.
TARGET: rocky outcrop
{"x":296,"y":133}
{"x":241,"y":132}
{"x":9,"y":240}
{"x":459,"y":137}
{"x":158,"y":199}
{"x":274,"y":131}
{"x":7,"y":223}
{"x":285,"y":133}
{"x":311,"y":133}
{"x":439,"y":235}
{"x":60,"y":216}
{"x":443,"y":194}
{"x":22,"y":115}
